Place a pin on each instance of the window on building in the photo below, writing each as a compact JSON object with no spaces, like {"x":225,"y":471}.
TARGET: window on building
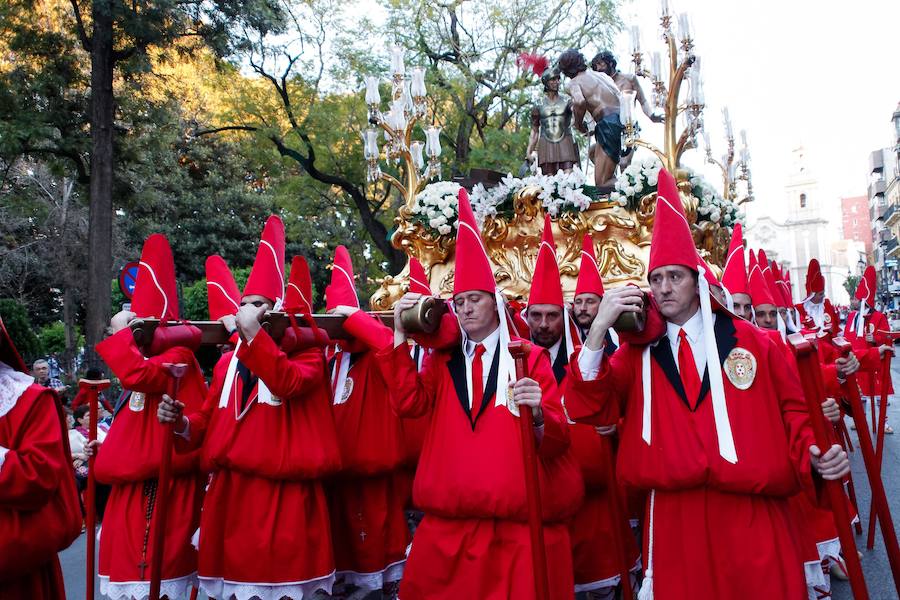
{"x":854,"y":222}
{"x":802,"y":200}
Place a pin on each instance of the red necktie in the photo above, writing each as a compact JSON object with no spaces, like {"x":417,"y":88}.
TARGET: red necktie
{"x":477,"y":381}
{"x":688,"y":369}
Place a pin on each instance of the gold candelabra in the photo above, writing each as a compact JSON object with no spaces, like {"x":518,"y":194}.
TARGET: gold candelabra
{"x":683,"y":64}
{"x":732,"y":171}
{"x":407,"y":107}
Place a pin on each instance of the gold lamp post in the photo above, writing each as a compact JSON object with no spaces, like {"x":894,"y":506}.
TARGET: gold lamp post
{"x":407,"y":107}
{"x":683,"y":65}
{"x":732,"y":171}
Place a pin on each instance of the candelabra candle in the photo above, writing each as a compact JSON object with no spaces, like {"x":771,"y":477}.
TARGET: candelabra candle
{"x":744,"y":138}
{"x":433,"y":141}
{"x":684,"y":26}
{"x":656,"y":66}
{"x":373,"y":97}
{"x":635,"y":39}
{"x":370,"y":147}
{"x":729,"y":133}
{"x":707,"y":144}
{"x":397,"y":118}
{"x":417,"y":86}
{"x":415,"y":149}
{"x":397,"y":65}
{"x":625,"y":105}
{"x":663,"y":8}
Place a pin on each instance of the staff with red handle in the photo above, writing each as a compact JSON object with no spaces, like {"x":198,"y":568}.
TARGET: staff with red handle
{"x":519,"y":352}
{"x":879,"y":498}
{"x":92,"y":387}
{"x":814,"y":392}
{"x":177,"y":371}
{"x":879,"y":441}
{"x":615,"y":511}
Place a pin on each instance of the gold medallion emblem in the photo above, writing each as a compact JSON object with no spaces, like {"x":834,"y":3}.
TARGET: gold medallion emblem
{"x":348,"y":389}
{"x":136,"y":401}
{"x":740,"y":367}
{"x":828,"y":317}
{"x":510,"y":403}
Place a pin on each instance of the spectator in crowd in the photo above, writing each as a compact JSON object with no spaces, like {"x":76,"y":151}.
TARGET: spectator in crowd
{"x":78,"y":440}
{"x":41,"y":372}
{"x":55,"y":370}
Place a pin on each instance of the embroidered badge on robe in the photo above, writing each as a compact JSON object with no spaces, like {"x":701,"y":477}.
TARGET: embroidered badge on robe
{"x":740,"y":367}
{"x":136,"y":401}
{"x":827,"y":317}
{"x":348,"y":389}
{"x":510,"y":403}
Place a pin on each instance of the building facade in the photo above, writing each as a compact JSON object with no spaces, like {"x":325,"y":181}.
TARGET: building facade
{"x":884,"y":208}
{"x":856,"y":221}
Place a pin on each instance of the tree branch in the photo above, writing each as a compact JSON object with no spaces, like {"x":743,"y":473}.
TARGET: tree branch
{"x":86,"y":41}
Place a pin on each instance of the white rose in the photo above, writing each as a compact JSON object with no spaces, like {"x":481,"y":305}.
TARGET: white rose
{"x":653,"y":179}
{"x":444,"y":229}
{"x":638,"y":188}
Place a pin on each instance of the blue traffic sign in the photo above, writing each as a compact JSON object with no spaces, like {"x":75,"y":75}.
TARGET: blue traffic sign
{"x":128,"y":278}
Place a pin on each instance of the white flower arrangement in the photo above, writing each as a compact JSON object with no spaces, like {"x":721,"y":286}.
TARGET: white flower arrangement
{"x":559,"y":193}
{"x":712,"y":206}
{"x":637,"y":180}
{"x":436,"y":207}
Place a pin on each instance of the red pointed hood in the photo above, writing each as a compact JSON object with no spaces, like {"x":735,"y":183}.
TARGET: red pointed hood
{"x":865,"y":291}
{"x":815,"y":282}
{"x":734,"y":273}
{"x":222,"y":294}
{"x":155,"y":290}
{"x":759,"y":290}
{"x":545,"y":284}
{"x":589,"y":278}
{"x":298,"y":295}
{"x":267,"y":276}
{"x":342,"y":289}
{"x":473,"y":268}
{"x":8,"y":352}
{"x":769,"y":278}
{"x":783,"y":286}
{"x":418,"y":280}
{"x":672,"y":243}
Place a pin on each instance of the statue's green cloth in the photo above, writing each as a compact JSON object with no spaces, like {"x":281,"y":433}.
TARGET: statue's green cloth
{"x":608,"y":132}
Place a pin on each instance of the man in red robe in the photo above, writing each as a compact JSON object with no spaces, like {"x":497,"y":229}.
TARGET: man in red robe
{"x":39,"y":510}
{"x":129,"y":456}
{"x":734,"y":276}
{"x":366,"y":500}
{"x":474,"y":539}
{"x":597,"y":563}
{"x":720,"y":449}
{"x":867,"y":331}
{"x":267,"y":433}
{"x":816,"y":306}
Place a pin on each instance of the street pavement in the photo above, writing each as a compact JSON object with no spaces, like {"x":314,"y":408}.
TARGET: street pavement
{"x":875,"y":563}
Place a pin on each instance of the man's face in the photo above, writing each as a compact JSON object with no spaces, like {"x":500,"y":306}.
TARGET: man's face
{"x":742,"y":306}
{"x":675,"y":289}
{"x":602,"y":66}
{"x":42,"y":371}
{"x":257,"y":301}
{"x":553,"y":84}
{"x":818,"y":297}
{"x":854,"y":303}
{"x":546,"y":323}
{"x":477,"y":314}
{"x":767,"y":316}
{"x":584,"y":309}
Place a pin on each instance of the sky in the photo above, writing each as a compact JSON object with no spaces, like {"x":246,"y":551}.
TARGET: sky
{"x":822,"y":74}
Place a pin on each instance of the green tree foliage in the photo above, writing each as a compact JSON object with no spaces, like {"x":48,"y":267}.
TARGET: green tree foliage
{"x":17,"y":323}
{"x":850,"y":284}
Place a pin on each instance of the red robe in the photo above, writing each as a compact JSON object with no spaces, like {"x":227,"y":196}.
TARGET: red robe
{"x":366,"y":500}
{"x":730,"y":521}
{"x":474,"y":539}
{"x":129,"y":459}
{"x":869,"y":377}
{"x":264,"y":528}
{"x":39,"y":510}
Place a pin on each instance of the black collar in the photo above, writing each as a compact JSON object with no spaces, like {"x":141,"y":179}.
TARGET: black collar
{"x":726,"y":340}
{"x":456,"y":366}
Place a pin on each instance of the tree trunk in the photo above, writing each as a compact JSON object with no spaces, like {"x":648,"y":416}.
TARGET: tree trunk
{"x":463,"y":135}
{"x":101,"y":210}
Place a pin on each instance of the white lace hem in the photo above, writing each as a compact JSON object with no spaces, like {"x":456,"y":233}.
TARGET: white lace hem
{"x":376,"y":580}
{"x":815,"y":576}
{"x":12,"y":385}
{"x":829,"y":549}
{"x":140,"y":590}
{"x":608,"y":582}
{"x":216,"y":587}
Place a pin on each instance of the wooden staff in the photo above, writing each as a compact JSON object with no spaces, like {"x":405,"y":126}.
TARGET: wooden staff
{"x":813,"y":390}
{"x":161,"y":509}
{"x":615,"y":512}
{"x":92,"y":387}
{"x":519,"y":352}
{"x":872,"y":398}
{"x":851,"y":392}
{"x":879,"y":441}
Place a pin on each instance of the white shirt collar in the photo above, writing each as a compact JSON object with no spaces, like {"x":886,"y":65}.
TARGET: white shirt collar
{"x":693,"y":329}
{"x":554,"y":350}
{"x":490,"y":344}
